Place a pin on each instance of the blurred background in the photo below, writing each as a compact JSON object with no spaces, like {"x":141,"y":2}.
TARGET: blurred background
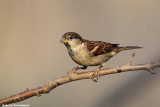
{"x":31,"y":54}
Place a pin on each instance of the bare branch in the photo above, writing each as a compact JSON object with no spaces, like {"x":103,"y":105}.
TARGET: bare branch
{"x":130,"y":62}
{"x":74,"y":77}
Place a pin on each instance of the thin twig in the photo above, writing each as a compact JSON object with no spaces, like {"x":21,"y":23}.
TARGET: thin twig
{"x":74,"y":77}
{"x":131,"y":60}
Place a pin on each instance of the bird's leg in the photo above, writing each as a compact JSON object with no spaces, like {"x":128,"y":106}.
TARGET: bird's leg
{"x":74,"y":70}
{"x":96,"y":73}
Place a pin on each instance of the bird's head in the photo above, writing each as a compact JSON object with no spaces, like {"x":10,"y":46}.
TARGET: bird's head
{"x":72,"y":39}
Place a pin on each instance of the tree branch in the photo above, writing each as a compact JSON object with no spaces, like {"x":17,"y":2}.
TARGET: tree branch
{"x":74,"y":77}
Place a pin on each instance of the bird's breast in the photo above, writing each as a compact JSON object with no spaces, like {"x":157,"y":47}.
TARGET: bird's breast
{"x":82,"y":56}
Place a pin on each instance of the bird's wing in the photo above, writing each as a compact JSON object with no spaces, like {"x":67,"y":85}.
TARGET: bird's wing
{"x":99,"y":47}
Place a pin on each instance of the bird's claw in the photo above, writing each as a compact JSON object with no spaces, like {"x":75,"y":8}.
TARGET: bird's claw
{"x":96,"y":75}
{"x":95,"y":80}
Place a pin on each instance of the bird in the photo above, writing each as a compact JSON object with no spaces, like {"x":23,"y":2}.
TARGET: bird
{"x":90,"y":53}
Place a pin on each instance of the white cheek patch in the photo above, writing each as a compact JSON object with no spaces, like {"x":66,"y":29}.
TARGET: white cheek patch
{"x":74,"y":43}
{"x":79,"y":48}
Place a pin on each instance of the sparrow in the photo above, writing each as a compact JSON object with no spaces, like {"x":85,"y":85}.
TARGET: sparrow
{"x":90,"y":53}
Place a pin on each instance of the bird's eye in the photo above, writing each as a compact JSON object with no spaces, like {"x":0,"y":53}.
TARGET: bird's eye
{"x":70,"y":37}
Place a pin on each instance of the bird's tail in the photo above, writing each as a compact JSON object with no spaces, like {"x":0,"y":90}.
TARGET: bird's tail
{"x":127,"y":48}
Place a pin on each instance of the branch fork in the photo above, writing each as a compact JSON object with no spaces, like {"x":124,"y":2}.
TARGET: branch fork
{"x":74,"y":77}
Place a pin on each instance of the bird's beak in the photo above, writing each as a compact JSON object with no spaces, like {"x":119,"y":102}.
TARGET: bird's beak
{"x":64,"y":40}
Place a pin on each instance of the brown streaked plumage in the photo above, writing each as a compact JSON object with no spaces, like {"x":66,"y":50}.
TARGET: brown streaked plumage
{"x":102,"y":47}
{"x":90,"y":53}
